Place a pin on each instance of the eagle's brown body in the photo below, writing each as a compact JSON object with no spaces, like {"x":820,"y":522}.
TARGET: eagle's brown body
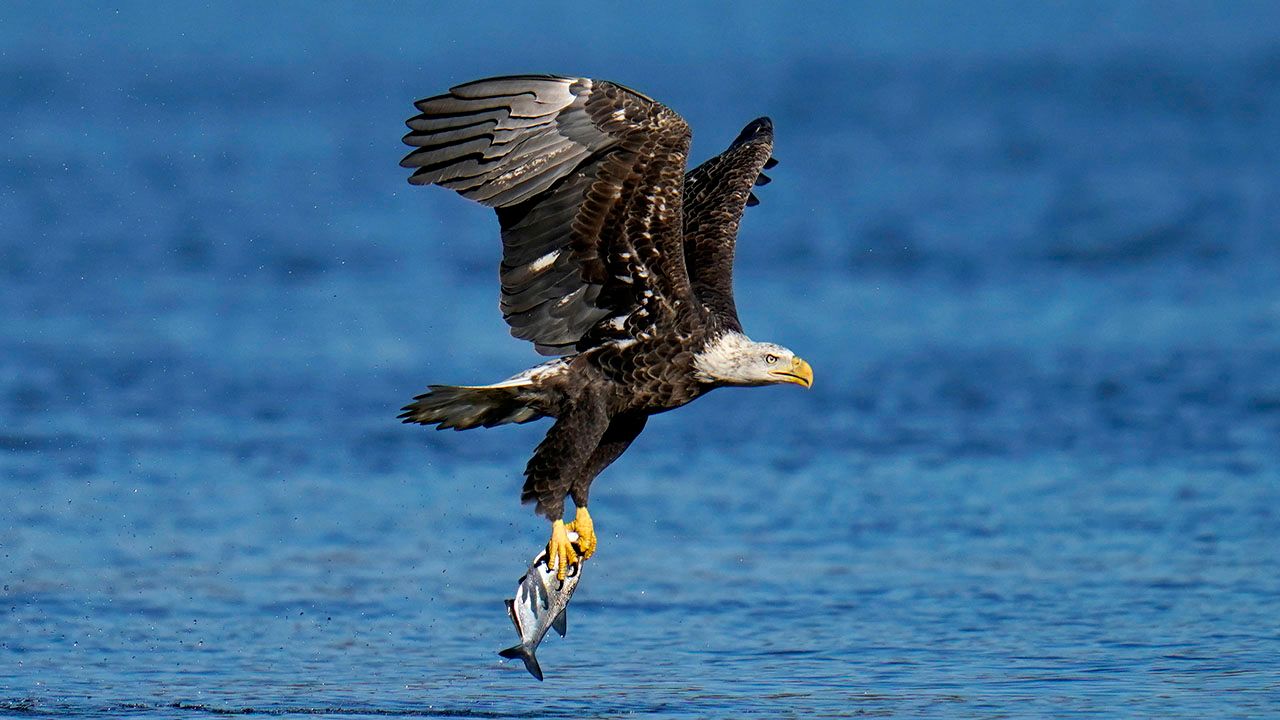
{"x":613,"y":258}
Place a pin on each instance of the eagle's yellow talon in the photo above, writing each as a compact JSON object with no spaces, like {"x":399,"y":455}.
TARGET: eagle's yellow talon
{"x":560,"y":553}
{"x":586,"y":532}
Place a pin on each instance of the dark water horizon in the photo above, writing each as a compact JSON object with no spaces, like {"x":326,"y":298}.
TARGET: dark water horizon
{"x":1030,"y":252}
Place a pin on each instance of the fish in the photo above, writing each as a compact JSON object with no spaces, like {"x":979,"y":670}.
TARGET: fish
{"x":541,"y":604}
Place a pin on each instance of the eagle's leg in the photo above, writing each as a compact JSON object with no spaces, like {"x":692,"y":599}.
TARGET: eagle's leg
{"x":560,"y":459}
{"x":586,"y":531}
{"x":560,"y":552}
{"x":623,"y":429}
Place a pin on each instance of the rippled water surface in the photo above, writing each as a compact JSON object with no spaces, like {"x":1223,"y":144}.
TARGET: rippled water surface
{"x":1033,"y":261}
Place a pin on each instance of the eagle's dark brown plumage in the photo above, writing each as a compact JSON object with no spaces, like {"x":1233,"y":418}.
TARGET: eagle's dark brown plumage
{"x":613,"y":258}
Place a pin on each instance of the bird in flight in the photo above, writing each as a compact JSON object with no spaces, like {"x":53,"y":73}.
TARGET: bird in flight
{"x":614,"y":260}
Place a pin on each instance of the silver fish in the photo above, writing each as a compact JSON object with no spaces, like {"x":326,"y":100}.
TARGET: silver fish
{"x":541,"y":603}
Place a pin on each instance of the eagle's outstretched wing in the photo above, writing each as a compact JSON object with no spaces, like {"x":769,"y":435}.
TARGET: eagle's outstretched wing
{"x":586,"y":177}
{"x":715,"y":194}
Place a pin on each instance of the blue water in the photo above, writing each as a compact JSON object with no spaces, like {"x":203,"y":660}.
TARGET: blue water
{"x":1031,"y":254}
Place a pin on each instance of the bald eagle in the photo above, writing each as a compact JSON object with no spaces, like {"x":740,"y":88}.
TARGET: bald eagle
{"x":614,"y":261}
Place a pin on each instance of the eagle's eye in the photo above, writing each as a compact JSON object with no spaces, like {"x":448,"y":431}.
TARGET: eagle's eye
{"x":771,"y":359}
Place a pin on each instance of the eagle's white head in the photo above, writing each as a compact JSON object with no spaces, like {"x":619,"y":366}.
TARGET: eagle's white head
{"x":735,"y":359}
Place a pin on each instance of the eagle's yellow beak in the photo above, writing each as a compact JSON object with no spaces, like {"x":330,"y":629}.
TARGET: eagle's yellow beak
{"x":799,"y":373}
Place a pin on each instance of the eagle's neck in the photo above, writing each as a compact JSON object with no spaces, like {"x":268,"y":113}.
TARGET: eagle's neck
{"x":721,"y":361}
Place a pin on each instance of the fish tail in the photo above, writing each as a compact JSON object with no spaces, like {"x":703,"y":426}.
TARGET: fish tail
{"x":525,"y":654}
{"x":463,"y":408}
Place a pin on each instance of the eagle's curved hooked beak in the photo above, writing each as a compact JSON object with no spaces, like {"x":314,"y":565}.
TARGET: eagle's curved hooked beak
{"x":799,"y":373}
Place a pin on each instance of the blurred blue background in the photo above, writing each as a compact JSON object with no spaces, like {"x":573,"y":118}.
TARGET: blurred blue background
{"x":1030,"y":251}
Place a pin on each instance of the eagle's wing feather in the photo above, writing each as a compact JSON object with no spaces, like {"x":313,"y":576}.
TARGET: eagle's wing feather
{"x":715,"y":194}
{"x":586,"y":177}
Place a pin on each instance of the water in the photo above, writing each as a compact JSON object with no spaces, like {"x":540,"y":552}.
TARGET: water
{"x":1031,"y":256}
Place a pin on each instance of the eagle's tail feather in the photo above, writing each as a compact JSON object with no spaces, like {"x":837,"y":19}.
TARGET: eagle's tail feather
{"x":463,"y":408}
